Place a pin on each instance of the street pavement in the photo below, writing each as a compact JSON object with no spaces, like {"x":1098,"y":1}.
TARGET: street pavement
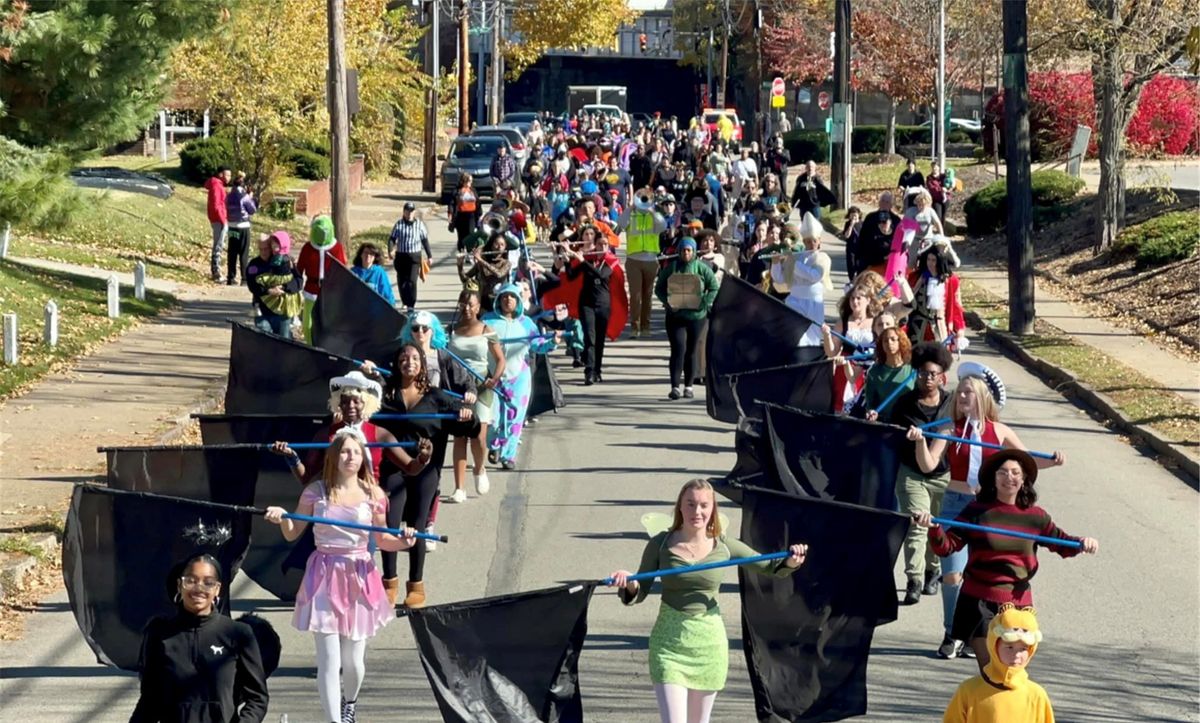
{"x":1120,"y":628}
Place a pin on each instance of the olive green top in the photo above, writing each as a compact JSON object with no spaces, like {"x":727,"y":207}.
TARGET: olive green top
{"x":695,"y":592}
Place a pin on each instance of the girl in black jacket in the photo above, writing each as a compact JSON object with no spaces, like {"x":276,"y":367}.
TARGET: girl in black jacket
{"x":199,"y":666}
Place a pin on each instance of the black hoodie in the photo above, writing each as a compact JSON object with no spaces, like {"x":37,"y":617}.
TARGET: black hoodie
{"x":199,"y":670}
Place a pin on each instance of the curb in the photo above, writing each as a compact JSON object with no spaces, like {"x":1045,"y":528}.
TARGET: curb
{"x":1068,"y":385}
{"x":14,"y":572}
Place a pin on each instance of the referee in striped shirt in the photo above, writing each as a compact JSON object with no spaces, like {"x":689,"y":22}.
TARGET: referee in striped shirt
{"x":409,"y":237}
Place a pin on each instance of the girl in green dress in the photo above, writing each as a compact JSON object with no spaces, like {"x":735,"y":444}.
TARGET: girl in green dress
{"x":689,"y":651}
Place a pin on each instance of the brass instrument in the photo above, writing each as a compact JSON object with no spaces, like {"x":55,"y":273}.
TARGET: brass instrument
{"x":495,"y":222}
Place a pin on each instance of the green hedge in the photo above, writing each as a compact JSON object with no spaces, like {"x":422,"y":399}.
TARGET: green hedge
{"x":1166,"y":238}
{"x":804,"y":145}
{"x":199,"y":159}
{"x":813,"y":143}
{"x":987,"y":210}
{"x":307,"y":164}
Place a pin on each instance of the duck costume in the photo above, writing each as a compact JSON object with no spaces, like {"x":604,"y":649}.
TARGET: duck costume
{"x":321,"y":250}
{"x":1004,"y":693}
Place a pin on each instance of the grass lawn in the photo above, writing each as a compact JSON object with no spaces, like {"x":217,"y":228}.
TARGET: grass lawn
{"x":171,"y":236}
{"x":1144,"y":400}
{"x":83,"y":319}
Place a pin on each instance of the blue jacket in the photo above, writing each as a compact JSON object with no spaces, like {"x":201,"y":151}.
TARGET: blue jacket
{"x":239,"y":205}
{"x":376,"y":277}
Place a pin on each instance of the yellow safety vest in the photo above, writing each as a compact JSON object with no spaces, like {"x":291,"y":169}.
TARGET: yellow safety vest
{"x":641,"y":236}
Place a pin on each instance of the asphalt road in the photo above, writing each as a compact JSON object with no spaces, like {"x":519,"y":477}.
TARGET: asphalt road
{"x":1120,"y":628}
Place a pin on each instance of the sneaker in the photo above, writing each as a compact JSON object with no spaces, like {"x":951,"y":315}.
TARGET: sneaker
{"x":637,"y":334}
{"x":508,"y":464}
{"x":430,"y":545}
{"x":967,"y":652}
{"x":459,"y":496}
{"x":688,"y":393}
{"x":950,"y":648}
{"x":912,"y":594}
{"x":588,"y":380}
{"x":599,"y":378}
{"x":493,"y":457}
{"x":676,"y":393}
{"x":482,"y":483}
{"x":933,"y":581}
{"x":348,"y":713}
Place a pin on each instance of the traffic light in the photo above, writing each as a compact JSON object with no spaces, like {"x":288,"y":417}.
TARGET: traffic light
{"x":642,"y":42}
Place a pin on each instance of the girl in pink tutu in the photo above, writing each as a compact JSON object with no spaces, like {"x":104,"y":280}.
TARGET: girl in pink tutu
{"x":342,"y":601}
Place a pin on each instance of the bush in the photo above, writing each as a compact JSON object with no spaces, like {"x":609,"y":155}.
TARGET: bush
{"x":200,"y":159}
{"x":1169,"y":237}
{"x":804,"y":144}
{"x":987,"y":210}
{"x":873,"y":139}
{"x":307,"y":164}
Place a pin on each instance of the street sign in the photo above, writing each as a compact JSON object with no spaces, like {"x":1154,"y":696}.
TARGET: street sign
{"x":778,"y":88}
{"x":823,"y":100}
{"x":778,"y":101}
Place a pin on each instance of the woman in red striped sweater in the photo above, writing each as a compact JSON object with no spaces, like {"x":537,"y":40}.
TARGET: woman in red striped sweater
{"x":999,"y":567}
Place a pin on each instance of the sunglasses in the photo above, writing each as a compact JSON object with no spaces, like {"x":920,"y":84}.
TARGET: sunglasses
{"x":420,"y":329}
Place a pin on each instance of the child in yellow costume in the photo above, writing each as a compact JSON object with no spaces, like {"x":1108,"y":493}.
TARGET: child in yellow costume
{"x":1003,"y":692}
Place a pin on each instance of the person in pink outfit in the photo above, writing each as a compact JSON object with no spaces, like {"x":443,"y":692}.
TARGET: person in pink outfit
{"x":341,"y":599}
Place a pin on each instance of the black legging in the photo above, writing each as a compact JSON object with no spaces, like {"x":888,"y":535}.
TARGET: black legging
{"x":595,"y":330}
{"x":684,"y":337}
{"x":464,"y":224}
{"x":408,"y":273}
{"x":409,"y":502}
{"x":239,"y":252}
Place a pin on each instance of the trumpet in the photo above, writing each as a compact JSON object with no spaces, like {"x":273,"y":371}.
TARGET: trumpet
{"x":495,"y":222}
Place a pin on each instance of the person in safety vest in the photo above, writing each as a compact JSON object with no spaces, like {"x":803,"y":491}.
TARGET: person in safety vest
{"x":642,"y":226}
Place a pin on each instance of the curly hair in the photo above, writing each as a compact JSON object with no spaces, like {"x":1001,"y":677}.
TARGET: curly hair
{"x":874,"y":303}
{"x":905,"y":346}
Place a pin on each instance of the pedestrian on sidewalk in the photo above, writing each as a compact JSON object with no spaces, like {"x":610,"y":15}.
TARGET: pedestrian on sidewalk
{"x":939,"y":190}
{"x":811,"y":193}
{"x":408,"y":238}
{"x":367,"y":267}
{"x":230,"y":671}
{"x":910,"y":182}
{"x":686,"y":287}
{"x":642,"y":225}
{"x":875,"y":239}
{"x":591,"y":262}
{"x":503,"y":169}
{"x":218,"y":217}
{"x":274,"y":285}
{"x":239,"y":207}
{"x":464,"y":210}
{"x":689,"y":649}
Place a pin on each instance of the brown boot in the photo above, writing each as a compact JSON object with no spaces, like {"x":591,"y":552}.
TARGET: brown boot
{"x":416,"y":595}
{"x":391,"y":586}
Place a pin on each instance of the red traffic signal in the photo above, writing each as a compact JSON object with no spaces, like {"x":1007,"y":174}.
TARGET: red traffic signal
{"x":642,"y":42}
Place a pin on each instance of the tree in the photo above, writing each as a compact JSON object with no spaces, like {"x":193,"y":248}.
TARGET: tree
{"x":539,"y":26}
{"x":263,"y":78}
{"x":1130,"y":42}
{"x":888,"y":59}
{"x":796,"y":41}
{"x":84,"y":74}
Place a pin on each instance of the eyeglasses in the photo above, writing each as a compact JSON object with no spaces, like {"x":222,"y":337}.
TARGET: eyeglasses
{"x":926,"y":374}
{"x":420,"y":329}
{"x":191,"y":582}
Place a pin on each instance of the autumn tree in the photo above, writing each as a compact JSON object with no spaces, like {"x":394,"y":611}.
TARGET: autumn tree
{"x":538,"y":26}
{"x":264,"y":77}
{"x":796,"y":40}
{"x":891,"y":57}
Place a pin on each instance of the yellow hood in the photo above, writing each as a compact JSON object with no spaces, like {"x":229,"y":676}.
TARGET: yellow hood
{"x":1011,"y":624}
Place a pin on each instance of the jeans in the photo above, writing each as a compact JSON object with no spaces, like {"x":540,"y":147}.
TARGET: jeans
{"x":918,"y":493}
{"x":595,"y":329}
{"x":952,"y":504}
{"x":408,"y":273}
{"x":272,"y":323}
{"x":641,"y":275}
{"x":684,"y":338}
{"x":218,"y":247}
{"x":239,"y":251}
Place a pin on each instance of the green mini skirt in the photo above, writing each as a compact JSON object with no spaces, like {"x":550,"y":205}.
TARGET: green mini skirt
{"x":689,"y":650}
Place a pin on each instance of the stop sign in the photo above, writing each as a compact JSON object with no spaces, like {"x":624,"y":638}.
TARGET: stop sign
{"x":777,"y":87}
{"x":823,"y":100}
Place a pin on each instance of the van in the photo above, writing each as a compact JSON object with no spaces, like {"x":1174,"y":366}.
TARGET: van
{"x":710,"y":117}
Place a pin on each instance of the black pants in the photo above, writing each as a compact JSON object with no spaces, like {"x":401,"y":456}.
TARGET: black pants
{"x":408,"y":274}
{"x":595,"y":330}
{"x":409,"y":501}
{"x":940,"y":210}
{"x":464,"y":224}
{"x":239,"y":252}
{"x":684,"y":338}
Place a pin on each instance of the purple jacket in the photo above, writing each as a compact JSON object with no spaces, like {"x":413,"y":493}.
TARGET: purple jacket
{"x":239,"y":205}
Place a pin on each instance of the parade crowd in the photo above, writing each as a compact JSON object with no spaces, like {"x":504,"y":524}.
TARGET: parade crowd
{"x":688,"y":206}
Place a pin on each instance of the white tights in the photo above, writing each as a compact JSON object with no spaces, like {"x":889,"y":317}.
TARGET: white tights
{"x":677,"y":704}
{"x":334,"y":654}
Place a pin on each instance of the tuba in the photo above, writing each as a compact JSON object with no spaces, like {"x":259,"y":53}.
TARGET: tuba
{"x":643,"y":199}
{"x":495,"y":222}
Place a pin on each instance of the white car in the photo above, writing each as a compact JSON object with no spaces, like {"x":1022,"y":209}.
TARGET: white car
{"x":967,"y":124}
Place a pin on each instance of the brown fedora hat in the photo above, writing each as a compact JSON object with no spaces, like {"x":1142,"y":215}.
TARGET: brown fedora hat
{"x":988,"y":469}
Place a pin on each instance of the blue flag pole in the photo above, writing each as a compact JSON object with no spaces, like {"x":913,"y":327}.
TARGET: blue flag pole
{"x":704,"y":566}
{"x":360,"y":526}
{"x":504,"y":394}
{"x":900,"y":389}
{"x":389,"y":415}
{"x":1007,"y":533}
{"x":326,"y":445}
{"x":980,"y":443}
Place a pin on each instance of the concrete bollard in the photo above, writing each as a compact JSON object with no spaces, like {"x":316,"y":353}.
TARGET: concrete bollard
{"x":5,"y":237}
{"x":50,"y":330}
{"x":139,"y":281}
{"x":114,"y":297}
{"x":10,"y":339}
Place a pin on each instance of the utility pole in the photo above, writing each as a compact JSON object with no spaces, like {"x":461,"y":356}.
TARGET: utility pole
{"x":724,"y":59}
{"x":839,"y":173}
{"x":464,"y":63}
{"x":496,"y":101}
{"x":339,"y":119}
{"x":709,"y":81}
{"x":481,"y":71}
{"x":433,"y":67}
{"x":940,"y":124}
{"x":1017,"y":160}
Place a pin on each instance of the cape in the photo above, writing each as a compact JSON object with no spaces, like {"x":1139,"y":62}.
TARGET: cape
{"x":567,"y":292}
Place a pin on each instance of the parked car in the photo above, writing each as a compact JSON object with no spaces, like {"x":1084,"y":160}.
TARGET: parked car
{"x":611,"y":111}
{"x":967,"y":124}
{"x":471,"y":154}
{"x":515,"y":138}
{"x":713,"y":115}
{"x":520,"y":117}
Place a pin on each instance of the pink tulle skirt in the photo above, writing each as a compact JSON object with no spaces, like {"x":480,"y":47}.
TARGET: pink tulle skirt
{"x":342,"y":594}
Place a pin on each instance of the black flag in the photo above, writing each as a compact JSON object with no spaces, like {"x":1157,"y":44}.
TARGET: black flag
{"x":119,"y":549}
{"x":227,"y":476}
{"x":351,"y":319}
{"x":807,"y":637}
{"x":507,"y":659}
{"x":834,"y":457}
{"x":749,"y":330}
{"x":546,"y":394}
{"x":269,"y":375}
{"x":276,"y":485}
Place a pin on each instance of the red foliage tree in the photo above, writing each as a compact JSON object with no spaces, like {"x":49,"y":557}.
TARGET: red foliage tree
{"x":796,"y":43}
{"x":1167,"y":119}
